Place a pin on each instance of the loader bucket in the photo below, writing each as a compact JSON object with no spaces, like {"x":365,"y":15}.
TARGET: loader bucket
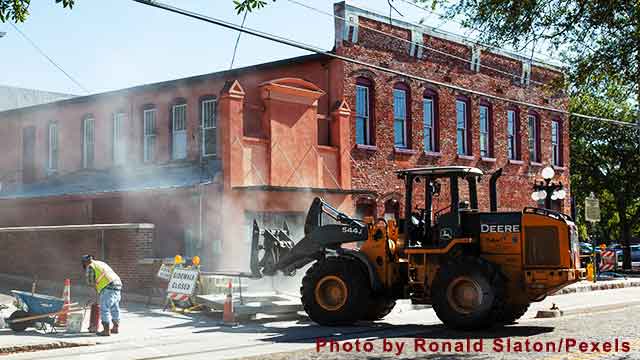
{"x":268,"y":246}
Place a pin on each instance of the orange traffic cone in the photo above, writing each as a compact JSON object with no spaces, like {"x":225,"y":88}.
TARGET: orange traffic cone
{"x":66,"y":295}
{"x":228,"y":317}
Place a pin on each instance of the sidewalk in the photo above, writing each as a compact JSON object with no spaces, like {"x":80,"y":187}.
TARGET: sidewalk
{"x":585,"y":286}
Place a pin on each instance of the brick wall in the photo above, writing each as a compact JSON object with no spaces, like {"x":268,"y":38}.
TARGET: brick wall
{"x":54,"y":252}
{"x":374,"y":166}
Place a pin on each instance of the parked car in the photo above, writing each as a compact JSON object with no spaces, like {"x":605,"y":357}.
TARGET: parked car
{"x":635,"y":256}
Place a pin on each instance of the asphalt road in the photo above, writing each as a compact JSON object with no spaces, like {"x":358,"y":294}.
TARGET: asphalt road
{"x":598,"y":317}
{"x":589,"y":336}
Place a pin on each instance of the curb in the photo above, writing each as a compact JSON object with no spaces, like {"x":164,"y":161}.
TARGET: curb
{"x":602,"y":285}
{"x":599,"y":308}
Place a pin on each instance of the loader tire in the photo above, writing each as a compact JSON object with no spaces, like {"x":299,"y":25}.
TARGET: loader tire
{"x":510,"y":313}
{"x":335,"y":291}
{"x":468,"y":293}
{"x":378,"y":308}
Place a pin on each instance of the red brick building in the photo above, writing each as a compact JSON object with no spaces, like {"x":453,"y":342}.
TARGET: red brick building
{"x":201,"y":157}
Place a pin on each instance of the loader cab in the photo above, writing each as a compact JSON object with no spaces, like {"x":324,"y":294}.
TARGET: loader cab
{"x":435,"y":227}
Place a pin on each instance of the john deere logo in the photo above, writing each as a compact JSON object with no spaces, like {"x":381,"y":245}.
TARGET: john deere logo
{"x":445,"y":234}
{"x":485,"y":228}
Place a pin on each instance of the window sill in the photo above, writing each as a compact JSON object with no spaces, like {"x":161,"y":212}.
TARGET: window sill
{"x":488,"y":159}
{"x":404,"y":151}
{"x":366,"y":147}
{"x":432,"y":153}
{"x":328,"y":148}
{"x":516,"y":162}
{"x":559,"y":168}
{"x":466,"y":157}
{"x":535,"y":163}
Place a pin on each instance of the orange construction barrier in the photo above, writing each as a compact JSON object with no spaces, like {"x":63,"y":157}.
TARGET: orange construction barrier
{"x":66,"y":295}
{"x":228,"y":317}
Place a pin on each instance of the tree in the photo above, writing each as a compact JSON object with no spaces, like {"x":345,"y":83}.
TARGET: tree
{"x":600,"y":39}
{"x":605,"y":159}
{"x":249,"y":5}
{"x":18,"y":10}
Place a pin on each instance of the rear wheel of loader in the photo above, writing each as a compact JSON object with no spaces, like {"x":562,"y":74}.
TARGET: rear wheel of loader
{"x":467,"y":292}
{"x":378,"y":308}
{"x":511,"y":312}
{"x":335,"y":291}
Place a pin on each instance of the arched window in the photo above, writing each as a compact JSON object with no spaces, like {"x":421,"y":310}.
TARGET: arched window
{"x":430,"y":120}
{"x":88,"y":141}
{"x":486,"y":129}
{"x":556,"y":142}
{"x":209,"y":125}
{"x":179,"y":129}
{"x":365,"y":121}
{"x":513,"y":133}
{"x":149,"y":122}
{"x":401,"y":115}
{"x":533,"y":126}
{"x":463,"y":126}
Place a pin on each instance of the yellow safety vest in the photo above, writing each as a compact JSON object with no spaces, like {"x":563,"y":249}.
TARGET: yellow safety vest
{"x":104,"y":274}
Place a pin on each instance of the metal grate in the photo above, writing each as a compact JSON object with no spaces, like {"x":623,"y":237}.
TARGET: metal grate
{"x":542,"y":246}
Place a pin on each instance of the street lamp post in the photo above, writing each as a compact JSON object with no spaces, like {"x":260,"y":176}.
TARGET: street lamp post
{"x":547,"y":190}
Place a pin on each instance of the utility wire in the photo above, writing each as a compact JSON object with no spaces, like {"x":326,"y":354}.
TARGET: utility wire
{"x":49,"y":58}
{"x":235,"y":48}
{"x":425,"y":47}
{"x":314,"y":49}
{"x":471,"y":28}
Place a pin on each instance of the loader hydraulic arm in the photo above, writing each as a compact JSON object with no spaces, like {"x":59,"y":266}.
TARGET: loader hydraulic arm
{"x":280,"y":253}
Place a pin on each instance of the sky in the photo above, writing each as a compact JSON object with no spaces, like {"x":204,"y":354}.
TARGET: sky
{"x":114,"y":44}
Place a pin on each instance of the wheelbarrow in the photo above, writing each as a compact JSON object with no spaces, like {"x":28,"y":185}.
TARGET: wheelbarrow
{"x":36,"y":310}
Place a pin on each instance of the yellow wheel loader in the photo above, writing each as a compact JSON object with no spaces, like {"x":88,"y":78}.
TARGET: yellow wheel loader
{"x":476,"y":269}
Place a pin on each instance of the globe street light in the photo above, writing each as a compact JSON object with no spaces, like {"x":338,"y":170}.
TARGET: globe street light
{"x":547,"y":190}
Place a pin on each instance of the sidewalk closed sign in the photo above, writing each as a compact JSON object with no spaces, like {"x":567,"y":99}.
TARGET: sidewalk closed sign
{"x":183,"y":281}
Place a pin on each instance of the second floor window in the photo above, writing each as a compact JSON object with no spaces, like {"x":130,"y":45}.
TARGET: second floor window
{"x":179,"y":132}
{"x":429,"y":124}
{"x":363,"y":119}
{"x":88,"y":143}
{"x":556,"y":143}
{"x":149,"y":145}
{"x":485,"y":131}
{"x":119,"y":139}
{"x":534,"y":139}
{"x":512,"y":135}
{"x":52,"y":158}
{"x":400,"y":118}
{"x":462,"y":128}
{"x":209,"y":127}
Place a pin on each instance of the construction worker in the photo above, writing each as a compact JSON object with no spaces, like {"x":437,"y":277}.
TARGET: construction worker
{"x":108,"y":287}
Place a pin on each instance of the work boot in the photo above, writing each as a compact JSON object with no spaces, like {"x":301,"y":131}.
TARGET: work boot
{"x":116,"y":325}
{"x":105,"y":330}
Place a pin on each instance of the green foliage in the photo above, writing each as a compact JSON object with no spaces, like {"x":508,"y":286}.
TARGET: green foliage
{"x":249,"y":5}
{"x":18,"y":10}
{"x":600,"y":39}
{"x":605,"y":160}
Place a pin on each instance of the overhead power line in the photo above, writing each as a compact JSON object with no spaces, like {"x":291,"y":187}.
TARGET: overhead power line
{"x":442,"y":16}
{"x":35,"y":46}
{"x":421,"y":45}
{"x":314,"y":49}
